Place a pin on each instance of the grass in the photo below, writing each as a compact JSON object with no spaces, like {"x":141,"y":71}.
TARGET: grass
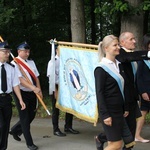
{"x":147,"y":118}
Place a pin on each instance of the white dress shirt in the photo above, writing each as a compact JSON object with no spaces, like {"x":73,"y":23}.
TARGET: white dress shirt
{"x":32,"y":66}
{"x":12,"y":77}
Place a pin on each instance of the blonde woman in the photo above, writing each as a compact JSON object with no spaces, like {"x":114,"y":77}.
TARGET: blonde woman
{"x":110,"y":92}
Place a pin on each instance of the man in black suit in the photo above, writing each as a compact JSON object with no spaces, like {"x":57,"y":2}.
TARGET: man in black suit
{"x":127,"y":43}
{"x":127,"y":57}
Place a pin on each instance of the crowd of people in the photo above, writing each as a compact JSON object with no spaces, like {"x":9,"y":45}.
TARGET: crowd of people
{"x":122,"y":92}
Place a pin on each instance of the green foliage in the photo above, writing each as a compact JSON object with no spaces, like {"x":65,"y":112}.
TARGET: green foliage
{"x":6,"y":14}
{"x":37,"y":21}
{"x":126,"y":8}
{"x":119,"y":6}
{"x":145,"y":5}
{"x":41,"y":113}
{"x":123,"y":7}
{"x":110,"y":12}
{"x":109,"y":18}
{"x":147,"y":118}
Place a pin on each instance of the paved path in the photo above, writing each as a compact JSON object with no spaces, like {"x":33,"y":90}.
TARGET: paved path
{"x":82,"y":141}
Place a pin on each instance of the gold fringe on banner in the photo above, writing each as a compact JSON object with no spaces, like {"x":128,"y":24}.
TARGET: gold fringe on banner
{"x":77,"y":46}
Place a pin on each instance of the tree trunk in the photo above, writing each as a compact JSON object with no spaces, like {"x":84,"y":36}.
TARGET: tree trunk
{"x":146,"y":16}
{"x":134,"y":24}
{"x":77,"y":21}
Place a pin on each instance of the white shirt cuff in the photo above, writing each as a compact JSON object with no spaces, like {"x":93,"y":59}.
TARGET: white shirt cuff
{"x":148,"y":54}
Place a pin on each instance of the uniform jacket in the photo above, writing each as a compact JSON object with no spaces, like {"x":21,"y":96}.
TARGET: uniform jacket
{"x":126,"y":58}
{"x":143,"y":78}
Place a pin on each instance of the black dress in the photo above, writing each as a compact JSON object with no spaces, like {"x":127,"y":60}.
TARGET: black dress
{"x":110,"y":103}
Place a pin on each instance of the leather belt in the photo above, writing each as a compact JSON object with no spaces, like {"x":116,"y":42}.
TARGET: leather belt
{"x":4,"y":94}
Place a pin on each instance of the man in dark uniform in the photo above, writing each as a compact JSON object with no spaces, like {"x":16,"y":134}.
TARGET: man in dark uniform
{"x":8,"y":81}
{"x":55,"y":114}
{"x":127,"y":57}
{"x":28,"y":92}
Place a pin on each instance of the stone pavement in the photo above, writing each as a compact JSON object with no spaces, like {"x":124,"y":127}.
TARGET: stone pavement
{"x":42,"y":133}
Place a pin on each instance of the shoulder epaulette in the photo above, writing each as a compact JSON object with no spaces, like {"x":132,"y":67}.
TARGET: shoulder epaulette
{"x":11,"y":64}
{"x":30,"y":59}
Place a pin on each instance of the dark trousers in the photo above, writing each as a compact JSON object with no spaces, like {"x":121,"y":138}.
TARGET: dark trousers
{"x":5,"y":117}
{"x":55,"y":116}
{"x":127,"y":136}
{"x":26,"y":116}
{"x":16,"y":129}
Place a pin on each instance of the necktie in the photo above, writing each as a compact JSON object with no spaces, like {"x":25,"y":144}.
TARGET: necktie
{"x":3,"y":79}
{"x":122,"y":73}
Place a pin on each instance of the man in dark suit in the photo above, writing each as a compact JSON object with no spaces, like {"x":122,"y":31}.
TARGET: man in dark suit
{"x":127,"y":57}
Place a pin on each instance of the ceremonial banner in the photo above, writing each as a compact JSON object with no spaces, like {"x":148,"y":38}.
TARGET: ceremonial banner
{"x":76,"y":82}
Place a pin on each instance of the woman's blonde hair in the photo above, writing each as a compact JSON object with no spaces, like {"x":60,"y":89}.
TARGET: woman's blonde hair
{"x":107,"y":40}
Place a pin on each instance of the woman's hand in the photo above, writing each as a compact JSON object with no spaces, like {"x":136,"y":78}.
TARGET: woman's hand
{"x":145,"y":97}
{"x":108,"y":121}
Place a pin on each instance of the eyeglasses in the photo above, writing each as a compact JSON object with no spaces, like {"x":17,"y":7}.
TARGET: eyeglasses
{"x":5,"y":51}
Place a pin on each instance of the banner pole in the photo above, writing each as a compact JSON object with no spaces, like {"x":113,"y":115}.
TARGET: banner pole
{"x":78,"y":44}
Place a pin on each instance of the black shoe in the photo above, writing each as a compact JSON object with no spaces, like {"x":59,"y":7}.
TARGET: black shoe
{"x":70,"y":130}
{"x":15,"y":136}
{"x":32,"y":147}
{"x":59,"y":133}
{"x":99,"y":144}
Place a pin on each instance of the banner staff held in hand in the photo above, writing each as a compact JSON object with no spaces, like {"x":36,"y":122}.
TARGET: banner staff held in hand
{"x":24,"y":74}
